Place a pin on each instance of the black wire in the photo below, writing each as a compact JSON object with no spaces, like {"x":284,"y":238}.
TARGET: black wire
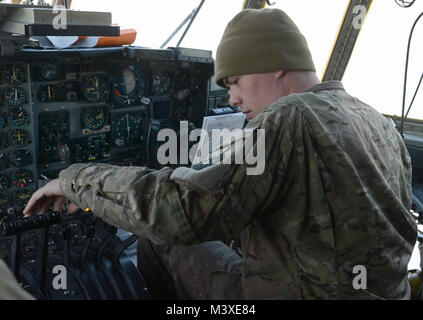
{"x":415,"y":93}
{"x":405,"y":4}
{"x":406,"y":72}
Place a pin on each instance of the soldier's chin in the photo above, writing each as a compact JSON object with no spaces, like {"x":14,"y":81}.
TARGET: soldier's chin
{"x":249,"y":115}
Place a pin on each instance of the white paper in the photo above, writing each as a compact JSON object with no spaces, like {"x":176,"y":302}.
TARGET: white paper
{"x":227,"y":121}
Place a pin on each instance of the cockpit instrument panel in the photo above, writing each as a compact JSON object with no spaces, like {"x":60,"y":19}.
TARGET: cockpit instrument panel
{"x":104,"y":105}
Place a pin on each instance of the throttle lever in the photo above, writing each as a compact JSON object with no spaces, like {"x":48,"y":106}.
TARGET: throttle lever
{"x":20,"y":225}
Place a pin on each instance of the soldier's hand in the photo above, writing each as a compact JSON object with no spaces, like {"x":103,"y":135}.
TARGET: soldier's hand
{"x":48,"y":195}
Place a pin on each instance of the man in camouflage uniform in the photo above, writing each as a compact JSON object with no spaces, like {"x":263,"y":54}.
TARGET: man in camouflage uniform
{"x":335,"y":192}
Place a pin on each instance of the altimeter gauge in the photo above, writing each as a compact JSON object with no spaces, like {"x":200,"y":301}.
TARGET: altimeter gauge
{"x":17,"y":118}
{"x":18,"y":137}
{"x":50,"y":71}
{"x":48,"y":93}
{"x":93,"y":118}
{"x":20,"y":158}
{"x":13,"y":74}
{"x":96,"y":88}
{"x":127,"y":129}
{"x":15,"y":96}
{"x":22,"y":177}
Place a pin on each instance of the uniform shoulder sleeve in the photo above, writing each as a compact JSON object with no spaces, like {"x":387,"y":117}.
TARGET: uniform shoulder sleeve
{"x":185,"y":205}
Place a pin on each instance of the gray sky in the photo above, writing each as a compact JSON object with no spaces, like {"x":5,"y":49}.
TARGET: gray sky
{"x":376,"y":69}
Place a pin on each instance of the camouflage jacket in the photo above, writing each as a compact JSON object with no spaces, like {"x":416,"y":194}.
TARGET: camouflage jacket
{"x":335,"y":193}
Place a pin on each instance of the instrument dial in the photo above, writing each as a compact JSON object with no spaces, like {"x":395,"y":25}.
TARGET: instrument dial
{"x":22,"y":197}
{"x":13,"y":74}
{"x":18,"y":137}
{"x":50,"y":71}
{"x":96,"y":88}
{"x":48,"y":93}
{"x":162,"y":84}
{"x":15,"y":96}
{"x":127,"y":130}
{"x":20,"y":158}
{"x":22,"y":178}
{"x":4,"y":182}
{"x":129,"y":85}
{"x":18,"y":118}
{"x":93,"y":118}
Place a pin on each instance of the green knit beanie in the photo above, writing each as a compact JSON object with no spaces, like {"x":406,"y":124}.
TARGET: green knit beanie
{"x":258,"y":41}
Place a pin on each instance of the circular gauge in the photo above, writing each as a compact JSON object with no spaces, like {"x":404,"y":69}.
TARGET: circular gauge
{"x":162,"y":84}
{"x":22,"y":178}
{"x":127,"y":130}
{"x":96,"y":88}
{"x":4,"y":162}
{"x":126,"y":82}
{"x":18,"y":118}
{"x":48,"y":93}
{"x":18,"y":137}
{"x":93,"y":118}
{"x":2,"y":121}
{"x":4,"y":182}
{"x":3,"y":140}
{"x":129,"y":85}
{"x":50,"y":71}
{"x":20,"y":158}
{"x":22,"y":197}
{"x":15,"y":96}
{"x":13,"y":74}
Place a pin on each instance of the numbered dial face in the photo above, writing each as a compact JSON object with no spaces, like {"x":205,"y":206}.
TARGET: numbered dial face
{"x":127,"y":130}
{"x":48,"y":93}
{"x":4,"y":182}
{"x":22,"y":178}
{"x":22,"y":197}
{"x":4,"y":162}
{"x":50,"y":71}
{"x":93,"y":118}
{"x":18,"y":118}
{"x":15,"y":96}
{"x":20,"y":158}
{"x":129,"y":85}
{"x":13,"y":74}
{"x":96,"y":88}
{"x":18,"y":137}
{"x":162,"y":84}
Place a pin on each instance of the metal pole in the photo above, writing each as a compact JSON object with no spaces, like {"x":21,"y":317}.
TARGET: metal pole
{"x":178,"y":28}
{"x":190,"y":23}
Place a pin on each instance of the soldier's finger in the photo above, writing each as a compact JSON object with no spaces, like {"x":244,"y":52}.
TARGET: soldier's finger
{"x":59,"y":203}
{"x":45,"y":207}
{"x":33,"y":202}
{"x":73,"y":208}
